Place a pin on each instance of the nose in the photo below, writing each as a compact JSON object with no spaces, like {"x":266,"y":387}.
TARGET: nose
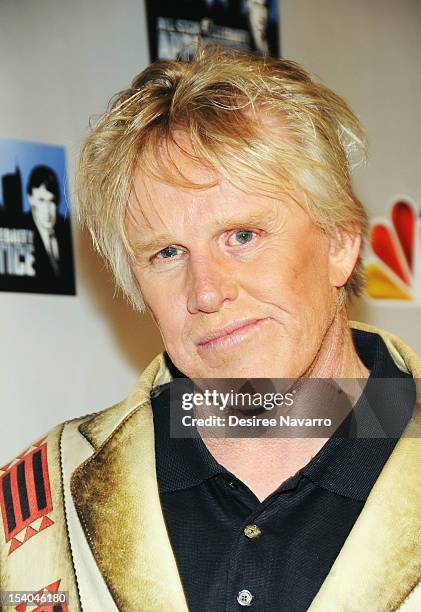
{"x":212,"y":282}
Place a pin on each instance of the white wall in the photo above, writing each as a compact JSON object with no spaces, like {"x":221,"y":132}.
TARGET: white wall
{"x":60,"y":61}
{"x":369,"y":52}
{"x":65,"y":356}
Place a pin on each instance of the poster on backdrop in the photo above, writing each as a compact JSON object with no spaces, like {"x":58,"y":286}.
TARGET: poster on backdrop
{"x":174,"y":27}
{"x":36,"y":253}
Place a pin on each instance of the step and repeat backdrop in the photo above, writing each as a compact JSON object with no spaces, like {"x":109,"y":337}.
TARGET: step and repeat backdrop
{"x":70,"y":345}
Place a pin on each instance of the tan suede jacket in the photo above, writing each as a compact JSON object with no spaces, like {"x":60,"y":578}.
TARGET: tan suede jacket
{"x":91,"y":523}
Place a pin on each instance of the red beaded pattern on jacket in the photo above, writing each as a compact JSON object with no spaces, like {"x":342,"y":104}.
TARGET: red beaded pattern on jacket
{"x":25,"y":495}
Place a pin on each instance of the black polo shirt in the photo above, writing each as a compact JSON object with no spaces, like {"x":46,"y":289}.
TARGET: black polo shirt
{"x":234,"y":551}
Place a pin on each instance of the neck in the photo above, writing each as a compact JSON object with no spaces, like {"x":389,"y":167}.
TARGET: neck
{"x":337,"y":357}
{"x":264,"y":463}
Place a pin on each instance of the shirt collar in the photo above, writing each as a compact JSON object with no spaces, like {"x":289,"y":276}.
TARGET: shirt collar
{"x":346,"y":465}
{"x":180,"y":462}
{"x":351,"y":461}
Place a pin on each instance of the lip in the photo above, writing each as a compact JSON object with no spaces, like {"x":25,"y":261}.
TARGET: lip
{"x":225,"y":335}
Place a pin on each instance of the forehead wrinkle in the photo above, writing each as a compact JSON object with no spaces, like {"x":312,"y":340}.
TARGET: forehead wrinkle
{"x":132,"y":210}
{"x":216,"y":212}
{"x":147,"y":186}
{"x":154,"y":240}
{"x":178,"y":165}
{"x":245,"y":220}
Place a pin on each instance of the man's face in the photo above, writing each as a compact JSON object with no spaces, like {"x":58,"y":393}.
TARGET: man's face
{"x":43,"y":207}
{"x":219,"y":257}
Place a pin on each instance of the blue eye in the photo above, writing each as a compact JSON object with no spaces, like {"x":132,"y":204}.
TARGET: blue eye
{"x":244,"y":236}
{"x":168,"y":252}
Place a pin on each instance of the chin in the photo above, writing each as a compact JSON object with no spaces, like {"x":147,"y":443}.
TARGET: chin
{"x":246,"y":367}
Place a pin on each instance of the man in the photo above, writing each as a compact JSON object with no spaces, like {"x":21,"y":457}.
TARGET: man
{"x":219,"y":192}
{"x":53,"y":266}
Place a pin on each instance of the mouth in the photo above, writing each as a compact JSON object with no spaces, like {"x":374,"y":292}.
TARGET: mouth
{"x":231,"y":335}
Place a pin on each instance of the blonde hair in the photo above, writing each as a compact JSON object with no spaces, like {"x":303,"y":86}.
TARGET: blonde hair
{"x":222,"y":100}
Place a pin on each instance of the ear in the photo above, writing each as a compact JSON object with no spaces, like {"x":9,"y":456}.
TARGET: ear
{"x":345,"y":245}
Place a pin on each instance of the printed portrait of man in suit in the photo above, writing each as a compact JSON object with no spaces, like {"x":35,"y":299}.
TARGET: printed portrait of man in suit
{"x":54,"y":272}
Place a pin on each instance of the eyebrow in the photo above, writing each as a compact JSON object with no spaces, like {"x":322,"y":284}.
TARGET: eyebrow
{"x":158,"y":241}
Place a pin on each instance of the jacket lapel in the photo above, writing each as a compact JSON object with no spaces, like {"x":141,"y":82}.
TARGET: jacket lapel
{"x":115,"y":493}
{"x":116,"y":496}
{"x":380,"y":562}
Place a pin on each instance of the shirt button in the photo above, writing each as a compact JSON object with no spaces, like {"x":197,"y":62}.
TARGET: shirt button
{"x":244,"y":598}
{"x":252,"y":531}
{"x":231,"y":484}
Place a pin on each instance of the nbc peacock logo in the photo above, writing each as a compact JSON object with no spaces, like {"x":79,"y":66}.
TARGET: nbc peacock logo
{"x":393,"y":260}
